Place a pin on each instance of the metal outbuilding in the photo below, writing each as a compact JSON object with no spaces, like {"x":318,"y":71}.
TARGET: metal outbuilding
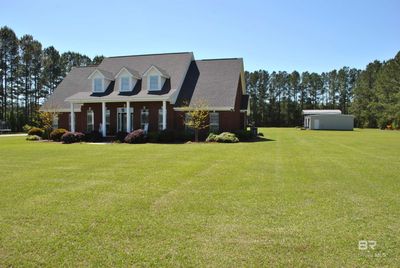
{"x":327,"y":120}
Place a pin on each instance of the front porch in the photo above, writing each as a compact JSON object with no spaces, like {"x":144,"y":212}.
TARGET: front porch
{"x":110,"y":118}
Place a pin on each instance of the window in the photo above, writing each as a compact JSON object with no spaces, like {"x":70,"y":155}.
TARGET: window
{"x":98,"y":85}
{"x":121,"y":119}
{"x":153,"y":82}
{"x":90,"y":120}
{"x":214,"y":122}
{"x":144,"y":118}
{"x":160,"y":119}
{"x":108,"y":121}
{"x":55,"y":121}
{"x":188,"y":129}
{"x":124,"y":86}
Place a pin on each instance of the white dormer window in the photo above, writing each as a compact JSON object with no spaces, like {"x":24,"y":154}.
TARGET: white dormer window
{"x":97,"y":85}
{"x":155,"y":78}
{"x":125,"y":83}
{"x":154,"y":82}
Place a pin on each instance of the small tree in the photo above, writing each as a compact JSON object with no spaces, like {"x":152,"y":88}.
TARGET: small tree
{"x":197,"y":117}
{"x":46,"y":118}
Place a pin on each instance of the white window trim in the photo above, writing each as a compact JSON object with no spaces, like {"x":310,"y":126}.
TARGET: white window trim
{"x":158,"y":82}
{"x":121,"y":110}
{"x":214,"y":124}
{"x":94,"y":85}
{"x":142,"y":111}
{"x":55,"y":121}
{"x":160,"y":119}
{"x":129,"y":84}
{"x":108,"y":120}
{"x":87,"y":121}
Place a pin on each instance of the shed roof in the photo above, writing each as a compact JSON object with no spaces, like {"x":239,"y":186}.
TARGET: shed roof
{"x":310,"y":112}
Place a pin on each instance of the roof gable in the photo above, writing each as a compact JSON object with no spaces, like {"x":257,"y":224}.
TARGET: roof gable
{"x":103,"y":73}
{"x":160,"y":71}
{"x":135,"y":74}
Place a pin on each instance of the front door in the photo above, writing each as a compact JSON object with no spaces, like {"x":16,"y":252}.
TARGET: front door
{"x":121,"y":119}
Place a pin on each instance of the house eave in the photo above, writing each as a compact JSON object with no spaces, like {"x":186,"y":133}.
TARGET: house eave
{"x":217,"y":109}
{"x":130,"y":99}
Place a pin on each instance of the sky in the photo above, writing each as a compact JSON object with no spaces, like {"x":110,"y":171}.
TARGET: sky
{"x":307,"y":35}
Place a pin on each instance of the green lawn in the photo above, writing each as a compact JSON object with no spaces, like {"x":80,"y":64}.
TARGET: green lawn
{"x":305,"y":198}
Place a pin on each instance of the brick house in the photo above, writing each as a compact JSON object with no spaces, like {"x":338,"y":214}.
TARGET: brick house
{"x":149,"y":92}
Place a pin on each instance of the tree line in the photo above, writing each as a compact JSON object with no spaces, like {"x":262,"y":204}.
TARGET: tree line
{"x":278,"y":98}
{"x":29,"y":73}
{"x":371,"y":95}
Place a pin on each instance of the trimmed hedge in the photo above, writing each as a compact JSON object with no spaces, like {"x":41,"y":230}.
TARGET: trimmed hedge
{"x":225,"y":137}
{"x":36,"y":131}
{"x":56,"y":134}
{"x":71,"y":137}
{"x":79,"y":136}
{"x":68,"y":137}
{"x":166,"y":136}
{"x":120,"y":136}
{"x":169,"y":136}
{"x":93,"y":136}
{"x":136,"y":136}
{"x":33,"y":138}
{"x":244,"y":135}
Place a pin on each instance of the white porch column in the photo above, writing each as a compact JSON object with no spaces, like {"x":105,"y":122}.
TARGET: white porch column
{"x":103,"y":117}
{"x":128,"y":117}
{"x":164,"y":111}
{"x":72,"y":117}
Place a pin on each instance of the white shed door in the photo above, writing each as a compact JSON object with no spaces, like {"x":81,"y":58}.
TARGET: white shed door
{"x":316,"y":124}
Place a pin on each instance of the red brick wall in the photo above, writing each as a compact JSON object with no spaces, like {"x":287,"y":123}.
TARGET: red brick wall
{"x":153,"y":107}
{"x":228,"y":120}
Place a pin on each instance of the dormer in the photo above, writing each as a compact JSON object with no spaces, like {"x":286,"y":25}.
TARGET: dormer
{"x":100,"y":80}
{"x":154,"y":78}
{"x":126,"y":79}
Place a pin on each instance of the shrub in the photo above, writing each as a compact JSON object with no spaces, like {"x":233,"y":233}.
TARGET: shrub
{"x":225,"y":137}
{"x":184,"y":136}
{"x":79,"y":136}
{"x":166,"y":136}
{"x":120,"y":136}
{"x":93,"y":136}
{"x":212,"y":137}
{"x":36,"y":131}
{"x":136,"y":136}
{"x":26,"y":128}
{"x":33,"y":138}
{"x":153,"y":136}
{"x":244,"y":135}
{"x":56,"y":134}
{"x":68,"y":137}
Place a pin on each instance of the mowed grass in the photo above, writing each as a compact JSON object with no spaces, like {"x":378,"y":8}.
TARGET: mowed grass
{"x":305,"y":198}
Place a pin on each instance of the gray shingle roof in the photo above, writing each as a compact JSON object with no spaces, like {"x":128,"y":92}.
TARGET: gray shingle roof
{"x":106,"y":74}
{"x":76,"y":81}
{"x":174,"y":65}
{"x":133,"y":72}
{"x":212,"y":81}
